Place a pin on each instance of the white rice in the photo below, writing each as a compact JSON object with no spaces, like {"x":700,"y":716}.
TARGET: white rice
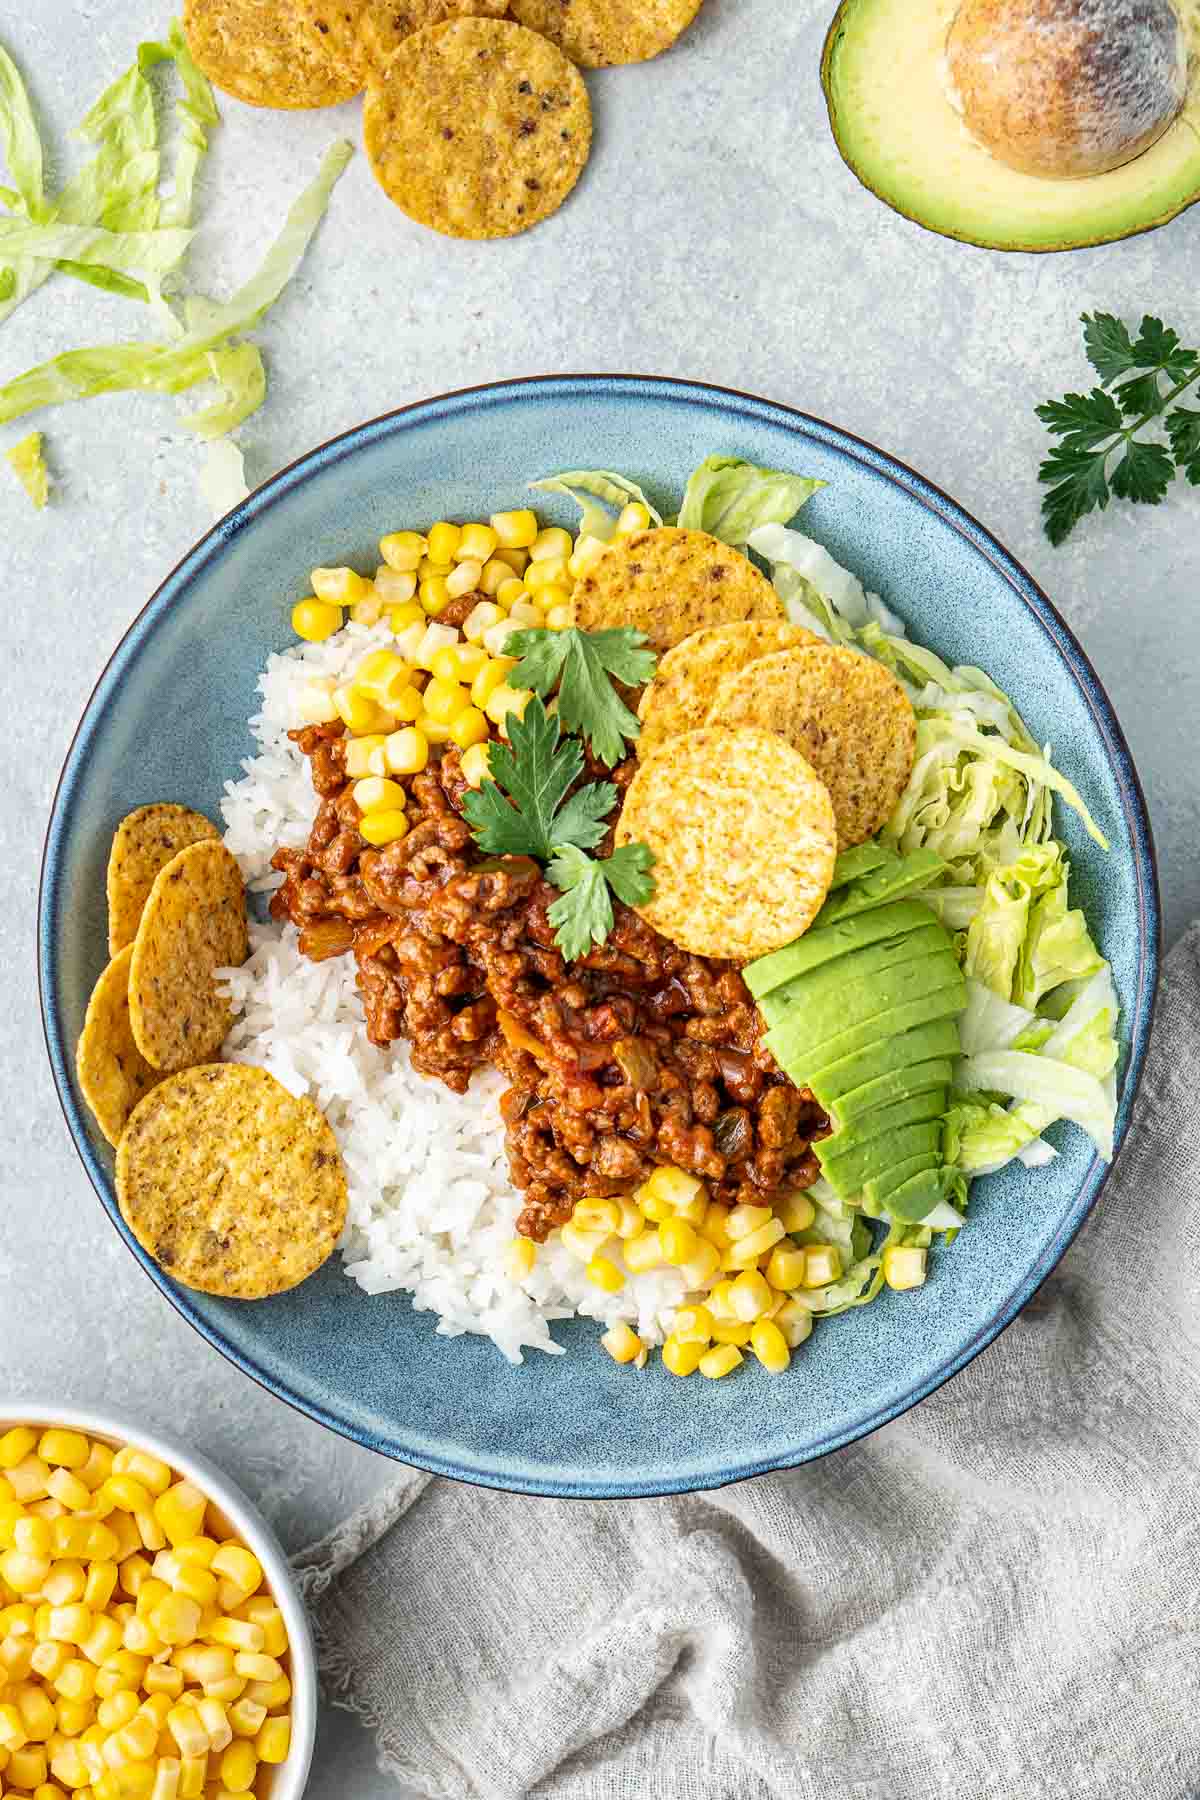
{"x":432,"y":1208}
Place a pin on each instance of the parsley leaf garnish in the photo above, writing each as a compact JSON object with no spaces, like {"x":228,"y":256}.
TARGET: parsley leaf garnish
{"x":535,"y":770}
{"x":582,"y":665}
{"x":524,"y":809}
{"x":584,"y":915}
{"x":1100,"y":453}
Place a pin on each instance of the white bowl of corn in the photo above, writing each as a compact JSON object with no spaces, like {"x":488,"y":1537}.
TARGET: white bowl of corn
{"x":153,"y":1644}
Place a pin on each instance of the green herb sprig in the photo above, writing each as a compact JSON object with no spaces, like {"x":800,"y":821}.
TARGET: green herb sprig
{"x":1100,"y":452}
{"x":582,"y":666}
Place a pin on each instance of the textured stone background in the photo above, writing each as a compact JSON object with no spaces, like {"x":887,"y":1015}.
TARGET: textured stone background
{"x":715,"y":234}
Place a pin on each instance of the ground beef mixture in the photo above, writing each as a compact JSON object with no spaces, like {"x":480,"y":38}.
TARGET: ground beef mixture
{"x":639,"y":1054}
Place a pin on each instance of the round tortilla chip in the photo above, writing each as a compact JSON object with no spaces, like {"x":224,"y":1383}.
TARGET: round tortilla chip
{"x":599,"y":33}
{"x":744,"y":841}
{"x":230,"y":1183}
{"x":671,"y":583}
{"x":113,"y":1074}
{"x":144,"y":842}
{"x":477,"y":128}
{"x":193,"y":925}
{"x":687,"y":678}
{"x":386,"y":23}
{"x":842,"y":710}
{"x":283,"y":53}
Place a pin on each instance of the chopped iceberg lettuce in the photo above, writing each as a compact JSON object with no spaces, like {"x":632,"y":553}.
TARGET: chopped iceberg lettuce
{"x":730,"y":498}
{"x":29,"y":465}
{"x":589,"y":486}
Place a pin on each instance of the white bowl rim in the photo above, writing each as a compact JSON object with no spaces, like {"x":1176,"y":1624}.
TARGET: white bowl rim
{"x":289,"y":1778}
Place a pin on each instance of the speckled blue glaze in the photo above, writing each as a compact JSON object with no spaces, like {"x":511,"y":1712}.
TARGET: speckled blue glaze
{"x":168,"y":720}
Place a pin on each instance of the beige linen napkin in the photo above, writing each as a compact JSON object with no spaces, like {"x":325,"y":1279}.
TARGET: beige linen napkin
{"x":992,"y":1599}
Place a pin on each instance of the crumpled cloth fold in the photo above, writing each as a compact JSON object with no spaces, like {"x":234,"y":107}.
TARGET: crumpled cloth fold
{"x":993,"y":1598}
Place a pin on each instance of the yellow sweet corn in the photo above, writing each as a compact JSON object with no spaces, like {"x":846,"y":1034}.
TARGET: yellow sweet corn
{"x":653,"y":1206}
{"x":748,"y":1249}
{"x":551,"y":543}
{"x":631,"y":518}
{"x":247,"y":1718}
{"x":904,"y":1267}
{"x":526,"y":615}
{"x":721,"y":1360}
{"x":481,"y":619}
{"x":406,"y":752}
{"x":551,"y":571}
{"x":443,"y":540}
{"x":622,"y":1343}
{"x":629,"y":1218}
{"x":785,"y":1270}
{"x":797,"y":1212}
{"x":493,"y":576}
{"x":340,"y":586}
{"x":716,"y":1225}
{"x":435,"y":595}
{"x":315,"y":620}
{"x":517,"y":559}
{"x":394,"y":588}
{"x":604,"y":1274}
{"x":237,"y":1634}
{"x":186,"y":1727}
{"x":402,"y":550}
{"x":693,"y":1325}
{"x":469,"y":727}
{"x":373,"y":795}
{"x":27,"y":1768}
{"x":475,"y":765}
{"x":682,"y":1357}
{"x":386,"y":827}
{"x":795,"y":1321}
{"x":193,"y":1776}
{"x":64,"y":1449}
{"x":822,"y":1264}
{"x":559,"y":613}
{"x":700,"y":1268}
{"x":770,"y":1346}
{"x":679,"y":1241}
{"x":15,"y":1445}
{"x":519,"y":1258}
{"x":585,"y":554}
{"x":643,"y":1252}
{"x":504,"y":700}
{"x":515,"y":530}
{"x":409,"y":613}
{"x":260,"y":1609}
{"x":749,"y":1296}
{"x":509,"y":591}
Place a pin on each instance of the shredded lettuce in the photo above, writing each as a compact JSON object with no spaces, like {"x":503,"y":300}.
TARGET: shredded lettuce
{"x":223,"y":476}
{"x":152,"y":252}
{"x":586,"y":487}
{"x":21,"y":141}
{"x":29,"y":464}
{"x":730,"y":498}
{"x":195,"y":109}
{"x":238,"y":370}
{"x":170,"y":368}
{"x":816,"y":591}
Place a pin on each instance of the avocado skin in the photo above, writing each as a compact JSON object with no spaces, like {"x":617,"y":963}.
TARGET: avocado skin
{"x":913,"y":1109}
{"x":840,"y":128}
{"x":822,"y":945}
{"x":847,"y":1172}
{"x":901,"y":1082}
{"x":939,"y":1038}
{"x":877,"y":996}
{"x":813,"y":994}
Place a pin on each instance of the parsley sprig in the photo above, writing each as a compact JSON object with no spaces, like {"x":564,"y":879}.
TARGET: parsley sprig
{"x":526,"y":808}
{"x":1100,"y":452}
{"x":583,"y":665}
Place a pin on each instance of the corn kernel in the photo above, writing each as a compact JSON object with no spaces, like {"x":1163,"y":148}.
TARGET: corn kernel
{"x":67,"y":1765}
{"x":786,"y":1267}
{"x":377,"y":794}
{"x":593,"y":1213}
{"x":444,"y":700}
{"x":475,"y":765}
{"x":76,"y":1680}
{"x":23,"y":1573}
{"x":402,"y":550}
{"x":629,"y":1217}
{"x":401,"y":618}
{"x":749,"y":1296}
{"x":631,"y":518}
{"x":492,"y":577}
{"x":342,"y":586}
{"x":247,"y":1718}
{"x":358,"y":712}
{"x":12,"y":1729}
{"x":480,"y":619}
{"x":118,"y":1710}
{"x":313,"y":705}
{"x":504,"y":700}
{"x":443,"y":540}
{"x":37,"y":1712}
{"x":15,"y":1445}
{"x":526,"y":615}
{"x":822,"y":1264}
{"x":795,"y":1321}
{"x":176,"y":1619}
{"x":97,"y":1467}
{"x":679,"y":1241}
{"x":604,"y":1274}
{"x":622,"y":1343}
{"x":673,"y":1185}
{"x":68,"y":1490}
{"x":517,"y":559}
{"x":797,"y":1212}
{"x":903,"y":1267}
{"x":198,"y":1551}
{"x":743,"y":1220}
{"x":105,"y":1543}
{"x":166,"y":1779}
{"x":748,"y":1249}
{"x":693,"y":1325}
{"x":17,"y":1620}
{"x":511,"y":590}
{"x":560,"y":616}
{"x":383,"y":828}
{"x":63,"y":1449}
{"x":682,"y":1358}
{"x":28,"y":1479}
{"x":74,"y":1716}
{"x":489,"y":678}
{"x":262,"y":1610}
{"x":496,"y":638}
{"x":27,"y":1768}
{"x":699,"y":1269}
{"x":16,"y":1658}
{"x":122,"y":1670}
{"x":99,"y":1585}
{"x":368,"y":611}
{"x":434,"y":638}
{"x":551,"y":571}
{"x":654,"y":1206}
{"x":580,"y":1242}
{"x":32,"y":1535}
{"x":476,"y":544}
{"x":721,"y":1360}
{"x":463,"y":579}
{"x":585,"y":554}
{"x":435,"y":732}
{"x":49,"y":1659}
{"x":429,"y":570}
{"x":435,"y":595}
{"x":515,"y":530}
{"x":393,"y":589}
{"x":716,"y":1225}
{"x":102,"y":1642}
{"x":237,"y":1634}
{"x":469,"y":727}
{"x":215,"y":1721}
{"x":643,"y":1252}
{"x":185,"y":1726}
{"x":193,"y":1776}
{"x":551,"y":544}
{"x":770,"y":1346}
{"x":519,"y":1258}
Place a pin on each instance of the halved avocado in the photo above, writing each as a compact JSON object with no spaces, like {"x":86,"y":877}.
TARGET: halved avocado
{"x":892,"y":118}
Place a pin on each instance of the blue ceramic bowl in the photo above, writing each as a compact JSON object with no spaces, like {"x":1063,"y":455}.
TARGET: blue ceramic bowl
{"x":168,"y":721}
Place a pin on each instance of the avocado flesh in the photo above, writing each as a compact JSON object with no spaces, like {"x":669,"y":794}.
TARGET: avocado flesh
{"x":942,"y":1003}
{"x":863,"y":859}
{"x":801,"y":1034}
{"x":940,"y":1038}
{"x":847,"y":1172}
{"x":877,"y":1190}
{"x":913,"y":1109}
{"x":813,"y":995}
{"x":903,"y":1081}
{"x":822,"y":944}
{"x":882,"y":71}
{"x":890,"y":882}
{"x":917,"y":1196}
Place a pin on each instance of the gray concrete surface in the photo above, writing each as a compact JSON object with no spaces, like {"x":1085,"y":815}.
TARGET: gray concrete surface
{"x":715,"y":234}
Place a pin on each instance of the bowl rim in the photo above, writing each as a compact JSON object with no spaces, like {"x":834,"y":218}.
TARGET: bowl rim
{"x":291,"y":1776}
{"x":927,"y":494}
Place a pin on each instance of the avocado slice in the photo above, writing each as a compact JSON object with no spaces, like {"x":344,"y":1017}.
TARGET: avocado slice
{"x":821,"y":945}
{"x":805,"y":1029}
{"x":941,"y":1003}
{"x":940,"y":1038}
{"x":895,"y":126}
{"x":913,"y":1109}
{"x":905,"y":1079}
{"x":878,"y":1190}
{"x":917,"y":1196}
{"x":887,"y":883}
{"x":809,"y":995}
{"x":847,"y":1172}
{"x":863,"y":859}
